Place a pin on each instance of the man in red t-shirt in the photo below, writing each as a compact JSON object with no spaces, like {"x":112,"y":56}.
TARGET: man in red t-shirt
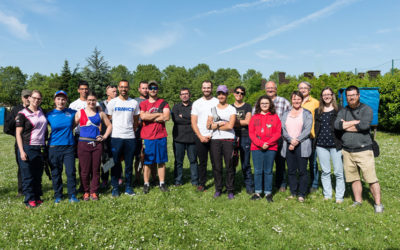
{"x":154,"y":112}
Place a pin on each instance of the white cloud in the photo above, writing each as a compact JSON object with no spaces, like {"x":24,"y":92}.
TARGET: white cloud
{"x":15,"y":26}
{"x":270,"y":54}
{"x":330,"y":9}
{"x":356,"y":48}
{"x":152,"y":44}
{"x":383,"y":31}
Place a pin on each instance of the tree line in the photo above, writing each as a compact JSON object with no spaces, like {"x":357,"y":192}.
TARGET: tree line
{"x":98,"y":73}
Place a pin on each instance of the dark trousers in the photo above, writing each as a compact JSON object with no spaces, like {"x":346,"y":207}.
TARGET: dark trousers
{"x":179,"y":152}
{"x":125,"y":147}
{"x":31,"y":173}
{"x":59,"y":156}
{"x":106,"y":155}
{"x":280,"y":165}
{"x":245,"y":162}
{"x":202,"y":154}
{"x":19,"y":169}
{"x":223,"y":149}
{"x":314,"y":173}
{"x":89,"y":155}
{"x":297,"y":171}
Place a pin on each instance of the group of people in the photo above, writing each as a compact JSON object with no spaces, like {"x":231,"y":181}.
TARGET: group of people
{"x":295,"y":133}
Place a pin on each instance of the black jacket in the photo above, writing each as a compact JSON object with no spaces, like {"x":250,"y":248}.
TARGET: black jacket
{"x":9,"y":123}
{"x":182,"y":131}
{"x":317,"y":125}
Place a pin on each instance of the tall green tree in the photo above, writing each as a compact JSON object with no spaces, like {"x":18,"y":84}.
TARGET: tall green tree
{"x":174,"y":78}
{"x":97,"y":73}
{"x":12,"y":82}
{"x":119,"y":73}
{"x":222,"y":76}
{"x":198,"y":74}
{"x":66,"y":76}
{"x":144,"y":72}
{"x":252,"y":81}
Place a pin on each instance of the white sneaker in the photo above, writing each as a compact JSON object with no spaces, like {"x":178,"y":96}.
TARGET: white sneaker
{"x":378,"y":208}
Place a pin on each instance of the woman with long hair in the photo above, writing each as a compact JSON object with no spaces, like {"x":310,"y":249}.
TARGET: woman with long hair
{"x":264,"y":131}
{"x":90,"y":145}
{"x":296,"y":129}
{"x":31,"y":127}
{"x":328,"y":145}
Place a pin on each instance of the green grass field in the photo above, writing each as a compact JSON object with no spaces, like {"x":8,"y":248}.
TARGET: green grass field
{"x":184,"y":218}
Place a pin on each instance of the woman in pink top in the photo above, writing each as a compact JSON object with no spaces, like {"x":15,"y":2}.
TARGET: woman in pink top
{"x":296,"y":128}
{"x":264,"y":132}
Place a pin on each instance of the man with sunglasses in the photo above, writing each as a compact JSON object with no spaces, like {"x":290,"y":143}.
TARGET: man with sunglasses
{"x":154,"y":112}
{"x":243,"y":115}
{"x":124,"y":112}
{"x":9,"y":128}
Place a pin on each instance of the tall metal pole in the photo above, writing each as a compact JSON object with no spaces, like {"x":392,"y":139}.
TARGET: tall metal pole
{"x":392,"y":66}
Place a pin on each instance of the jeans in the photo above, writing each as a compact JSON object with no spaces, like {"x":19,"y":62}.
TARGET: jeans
{"x":125,"y":147}
{"x":314,"y":173}
{"x":324,"y":156}
{"x":19,"y":169}
{"x":31,"y":172}
{"x":245,"y":162}
{"x":297,"y":165}
{"x":280,"y":165}
{"x":89,"y":155}
{"x":202,"y":154}
{"x":179,"y":152}
{"x":59,"y":155}
{"x":223,"y":149}
{"x":263,"y":161}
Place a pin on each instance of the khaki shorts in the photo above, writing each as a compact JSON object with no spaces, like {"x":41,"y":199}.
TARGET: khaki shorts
{"x":354,"y":162}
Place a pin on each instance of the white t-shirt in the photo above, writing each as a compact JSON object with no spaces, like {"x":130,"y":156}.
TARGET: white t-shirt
{"x":202,"y":107}
{"x":225,"y":115}
{"x":122,"y":112}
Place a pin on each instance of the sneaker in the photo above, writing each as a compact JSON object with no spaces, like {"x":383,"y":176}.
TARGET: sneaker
{"x":217,"y":194}
{"x":57,"y":200}
{"x":255,"y":197}
{"x":378,"y":208}
{"x":115,"y":192}
{"x":268,"y":197}
{"x":130,"y":192}
{"x":73,"y":199}
{"x":31,"y":204}
{"x":282,"y":189}
{"x":201,"y":188}
{"x":301,"y":199}
{"x":339,"y":201}
{"x":356,"y":204}
{"x":86,"y":196}
{"x":163,"y":188}
{"x":39,"y":202}
{"x":94,"y":197}
{"x":146,"y":189}
{"x":178,"y":184}
{"x":231,"y":196}
{"x":313,"y":190}
{"x":290,"y":197}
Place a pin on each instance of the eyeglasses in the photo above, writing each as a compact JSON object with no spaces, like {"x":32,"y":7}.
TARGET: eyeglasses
{"x":184,"y":94}
{"x":26,"y":97}
{"x":239,"y":93}
{"x":153,"y":88}
{"x":36,"y":98}
{"x":353,"y":95}
{"x":305,"y":88}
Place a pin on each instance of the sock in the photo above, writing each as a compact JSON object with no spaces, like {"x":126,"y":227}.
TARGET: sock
{"x":161,"y":182}
{"x":147,"y":184}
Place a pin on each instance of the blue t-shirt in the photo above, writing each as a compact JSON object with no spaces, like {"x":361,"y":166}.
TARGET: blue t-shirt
{"x":61,"y":123}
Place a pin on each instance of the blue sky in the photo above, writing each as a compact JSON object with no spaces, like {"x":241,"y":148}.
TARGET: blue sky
{"x":294,"y":36}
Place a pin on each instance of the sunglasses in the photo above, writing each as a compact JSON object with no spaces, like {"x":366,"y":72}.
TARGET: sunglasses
{"x":153,"y":88}
{"x":239,"y":93}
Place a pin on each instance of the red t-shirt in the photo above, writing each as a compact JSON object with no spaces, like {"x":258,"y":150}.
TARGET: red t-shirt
{"x":153,"y":130}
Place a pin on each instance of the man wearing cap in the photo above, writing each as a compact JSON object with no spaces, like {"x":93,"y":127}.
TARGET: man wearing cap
{"x":310,"y":104}
{"x":199,"y":116}
{"x":154,"y":112}
{"x":61,"y":147}
{"x":9,"y":128}
{"x":124,"y":112}
{"x":281,"y":106}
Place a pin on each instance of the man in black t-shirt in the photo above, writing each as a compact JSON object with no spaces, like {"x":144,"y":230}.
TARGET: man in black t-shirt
{"x":243,"y":115}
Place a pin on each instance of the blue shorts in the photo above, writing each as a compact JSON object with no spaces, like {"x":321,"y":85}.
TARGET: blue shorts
{"x":155,"y":151}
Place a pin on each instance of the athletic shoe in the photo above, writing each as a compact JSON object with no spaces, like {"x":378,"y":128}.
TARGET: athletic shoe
{"x":217,"y":194}
{"x":94,"y":197}
{"x":282,"y":189}
{"x":163,"y":188}
{"x":269,"y":198}
{"x":73,"y":199}
{"x":57,"y":200}
{"x":31,"y":204}
{"x":86,"y":196}
{"x":313,"y":190}
{"x":301,"y":199}
{"x":356,"y":204}
{"x":130,"y":192}
{"x":255,"y":197}
{"x":115,"y":192}
{"x":146,"y":188}
{"x":201,"y":188}
{"x":378,"y":208}
{"x":39,"y":202}
{"x":231,"y":196}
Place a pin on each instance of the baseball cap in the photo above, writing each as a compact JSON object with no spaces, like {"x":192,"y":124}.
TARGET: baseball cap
{"x":26,"y":92}
{"x":153,"y":82}
{"x":223,"y":89}
{"x":61,"y":92}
